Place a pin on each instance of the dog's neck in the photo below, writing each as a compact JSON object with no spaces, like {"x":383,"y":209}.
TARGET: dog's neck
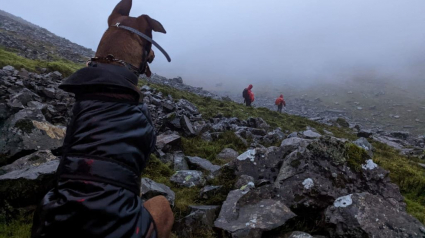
{"x":123,"y":46}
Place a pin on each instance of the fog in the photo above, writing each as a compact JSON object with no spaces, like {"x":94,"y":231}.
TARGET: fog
{"x":270,"y":42}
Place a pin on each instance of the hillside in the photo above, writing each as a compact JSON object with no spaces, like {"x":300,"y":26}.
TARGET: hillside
{"x":35,"y":42}
{"x":376,"y":104}
{"x":226,"y":169}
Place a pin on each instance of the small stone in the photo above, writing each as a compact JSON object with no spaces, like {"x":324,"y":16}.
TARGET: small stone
{"x":188,"y":178}
{"x":370,"y":165}
{"x":308,"y":183}
{"x":228,"y":154}
{"x":8,"y":68}
{"x":209,"y":191}
{"x":344,"y":201}
{"x":151,"y":189}
{"x":202,"y":164}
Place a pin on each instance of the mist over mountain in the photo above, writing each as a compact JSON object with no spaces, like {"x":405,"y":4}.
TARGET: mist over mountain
{"x":303,"y":43}
{"x":345,"y":158}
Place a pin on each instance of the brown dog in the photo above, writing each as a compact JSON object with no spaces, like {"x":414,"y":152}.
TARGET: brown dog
{"x":125,"y":45}
{"x":129,"y":47}
{"x":108,"y":143}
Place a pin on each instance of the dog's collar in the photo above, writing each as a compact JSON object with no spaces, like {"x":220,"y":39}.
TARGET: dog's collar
{"x":118,"y":25}
{"x":110,"y":59}
{"x":136,"y":70}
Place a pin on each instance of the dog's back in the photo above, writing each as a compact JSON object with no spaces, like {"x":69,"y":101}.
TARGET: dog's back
{"x":106,"y":147}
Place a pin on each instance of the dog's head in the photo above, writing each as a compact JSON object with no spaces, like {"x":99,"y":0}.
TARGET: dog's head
{"x":125,"y":45}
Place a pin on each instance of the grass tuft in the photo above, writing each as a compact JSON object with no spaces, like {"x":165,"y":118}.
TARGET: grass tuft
{"x":407,"y":174}
{"x":65,"y":67}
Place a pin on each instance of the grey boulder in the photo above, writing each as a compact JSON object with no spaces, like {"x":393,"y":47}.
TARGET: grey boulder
{"x":188,"y":178}
{"x":367,"y":215}
{"x":151,"y":189}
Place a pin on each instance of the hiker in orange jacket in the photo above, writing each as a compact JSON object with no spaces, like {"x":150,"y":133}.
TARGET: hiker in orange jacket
{"x":248,"y":95}
{"x":280,"y":102}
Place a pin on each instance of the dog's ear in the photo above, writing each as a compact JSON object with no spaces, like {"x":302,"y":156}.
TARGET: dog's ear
{"x":148,"y":72}
{"x":151,"y":56}
{"x":122,"y":9}
{"x":155,"y":25}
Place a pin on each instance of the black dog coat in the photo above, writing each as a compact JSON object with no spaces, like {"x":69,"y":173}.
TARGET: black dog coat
{"x":107,"y":146}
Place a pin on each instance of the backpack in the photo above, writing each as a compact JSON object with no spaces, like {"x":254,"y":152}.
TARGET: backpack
{"x":277,"y":102}
{"x":245,"y":93}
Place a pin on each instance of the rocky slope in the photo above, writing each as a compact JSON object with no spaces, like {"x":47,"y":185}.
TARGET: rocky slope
{"x":273,"y":183}
{"x":374,"y":104}
{"x":34,"y":42}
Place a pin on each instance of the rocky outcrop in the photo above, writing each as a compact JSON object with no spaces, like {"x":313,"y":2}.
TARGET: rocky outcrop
{"x":26,"y":186}
{"x":367,"y":215}
{"x":332,"y":186}
{"x":44,"y":45}
{"x":31,"y":119}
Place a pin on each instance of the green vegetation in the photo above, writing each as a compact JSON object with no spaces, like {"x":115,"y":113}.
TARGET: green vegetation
{"x":19,"y":228}
{"x":356,"y":156}
{"x":403,"y":171}
{"x":407,"y":174}
{"x":65,"y":67}
{"x":210,"y":108}
{"x":209,"y":150}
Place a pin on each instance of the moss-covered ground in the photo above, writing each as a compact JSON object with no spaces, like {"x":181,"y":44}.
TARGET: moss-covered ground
{"x":407,"y":174}
{"x":65,"y":67}
{"x":403,"y":171}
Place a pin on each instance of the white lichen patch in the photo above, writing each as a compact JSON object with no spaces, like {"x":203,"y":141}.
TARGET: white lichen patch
{"x":252,"y":222}
{"x":369,"y":165}
{"x":308,"y":183}
{"x":344,"y":201}
{"x":249,"y":154}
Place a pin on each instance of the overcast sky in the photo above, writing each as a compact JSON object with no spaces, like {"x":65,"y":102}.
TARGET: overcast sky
{"x":235,"y":42}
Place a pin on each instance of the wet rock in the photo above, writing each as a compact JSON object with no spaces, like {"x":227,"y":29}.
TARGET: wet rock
{"x":187,"y":126}
{"x":309,"y":134}
{"x":400,"y":134}
{"x":145,"y":88}
{"x":168,"y":106}
{"x":26,"y":132}
{"x":168,"y":141}
{"x":49,"y":92}
{"x":228,"y":154}
{"x":209,"y":191}
{"x":151,"y":189}
{"x":179,"y":161}
{"x":293,"y":143}
{"x":364,"y":133}
{"x":187,"y":106}
{"x":388,"y":141}
{"x":367,"y":215}
{"x":315,"y":177}
{"x":177,"y":80}
{"x":9,"y":68}
{"x":244,"y":180}
{"x":261,"y":164}
{"x":24,"y":96}
{"x":251,"y":219}
{"x":200,"y":220}
{"x":299,"y":234}
{"x":24,"y":187}
{"x":201,"y":164}
{"x":188,"y":178}
{"x":29,"y":161}
{"x":257,"y":123}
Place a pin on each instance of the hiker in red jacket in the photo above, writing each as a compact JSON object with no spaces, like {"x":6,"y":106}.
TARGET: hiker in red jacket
{"x":280,"y":102}
{"x":248,"y":95}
